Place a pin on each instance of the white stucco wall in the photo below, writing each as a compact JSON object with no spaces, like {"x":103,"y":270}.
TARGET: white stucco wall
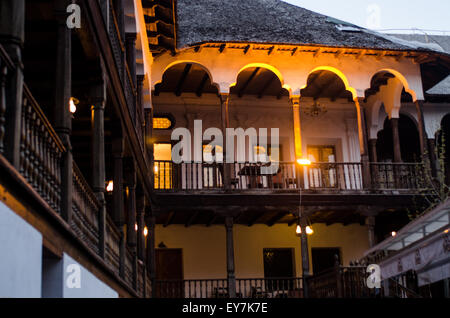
{"x":21,"y":256}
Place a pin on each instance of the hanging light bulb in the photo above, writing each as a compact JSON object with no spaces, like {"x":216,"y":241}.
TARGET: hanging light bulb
{"x":145,"y":231}
{"x":72,"y":104}
{"x":309,"y":230}
{"x":135,"y":227}
{"x":394,"y":234}
{"x":298,"y":231}
{"x":110,"y":186}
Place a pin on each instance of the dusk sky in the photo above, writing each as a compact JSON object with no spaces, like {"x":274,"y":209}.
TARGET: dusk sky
{"x":393,"y":14}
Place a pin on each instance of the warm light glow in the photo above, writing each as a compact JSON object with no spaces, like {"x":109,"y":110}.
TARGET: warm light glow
{"x":145,"y":231}
{"x":110,"y":186}
{"x":156,"y":168}
{"x":298,"y":231}
{"x":309,"y":230}
{"x":72,"y":105}
{"x":394,"y":234}
{"x":304,"y":162}
{"x":135,"y":227}
{"x":446,"y":231}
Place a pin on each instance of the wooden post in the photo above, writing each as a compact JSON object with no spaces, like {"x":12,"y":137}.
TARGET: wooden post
{"x":225,"y":117}
{"x":151,"y":262}
{"x":370,"y":222}
{"x":231,"y":278}
{"x":396,"y":140}
{"x":149,"y":143}
{"x":118,"y":205}
{"x":131,"y":203}
{"x":62,"y":115}
{"x":363,"y":143}
{"x":98,"y":161}
{"x":339,"y":287}
{"x":12,"y":30}
{"x":305,"y":257}
{"x":140,"y":211}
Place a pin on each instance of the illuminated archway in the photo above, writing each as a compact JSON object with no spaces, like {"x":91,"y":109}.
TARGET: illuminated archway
{"x":402,"y":79}
{"x":337,"y":72}
{"x":173,"y":64}
{"x":268,"y":67}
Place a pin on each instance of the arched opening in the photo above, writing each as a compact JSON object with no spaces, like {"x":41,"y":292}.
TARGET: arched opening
{"x":260,"y":82}
{"x":443,"y":146}
{"x":184,"y":78}
{"x":409,"y":141}
{"x":326,"y":84}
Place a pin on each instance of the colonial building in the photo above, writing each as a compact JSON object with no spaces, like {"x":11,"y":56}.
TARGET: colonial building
{"x":356,"y":127}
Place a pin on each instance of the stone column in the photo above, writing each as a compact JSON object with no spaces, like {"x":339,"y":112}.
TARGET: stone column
{"x":98,"y":160}
{"x":431,"y":143}
{"x":12,"y":33}
{"x":421,"y":127}
{"x":363,"y":143}
{"x":396,"y":140}
{"x":295,"y":101}
{"x":225,"y":118}
{"x":62,"y":115}
{"x":231,"y":278}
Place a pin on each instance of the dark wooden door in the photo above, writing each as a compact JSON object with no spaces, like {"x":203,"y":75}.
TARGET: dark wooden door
{"x":169,"y":273}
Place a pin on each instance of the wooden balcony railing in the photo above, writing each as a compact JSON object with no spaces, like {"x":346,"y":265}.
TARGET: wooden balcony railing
{"x":398,"y":176}
{"x":218,"y":288}
{"x":340,"y":282}
{"x":85,"y":208}
{"x":112,"y":245}
{"x":288,"y":176}
{"x":270,"y":288}
{"x":41,"y":151}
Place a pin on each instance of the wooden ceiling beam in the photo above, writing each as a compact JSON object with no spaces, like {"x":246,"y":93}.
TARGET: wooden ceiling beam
{"x":200,"y":88}
{"x":265,"y":87}
{"x":252,"y":76}
{"x":212,"y":220}
{"x":182,"y":79}
{"x":254,"y":219}
{"x":192,"y":219}
{"x":324,"y":87}
{"x":275,"y":219}
{"x":169,"y":219}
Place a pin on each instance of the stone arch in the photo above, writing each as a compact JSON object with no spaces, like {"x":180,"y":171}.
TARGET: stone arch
{"x":268,"y":67}
{"x":159,"y":81}
{"x":339,"y":73}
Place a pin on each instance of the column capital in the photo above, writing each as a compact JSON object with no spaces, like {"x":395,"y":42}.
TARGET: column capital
{"x":295,"y":100}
